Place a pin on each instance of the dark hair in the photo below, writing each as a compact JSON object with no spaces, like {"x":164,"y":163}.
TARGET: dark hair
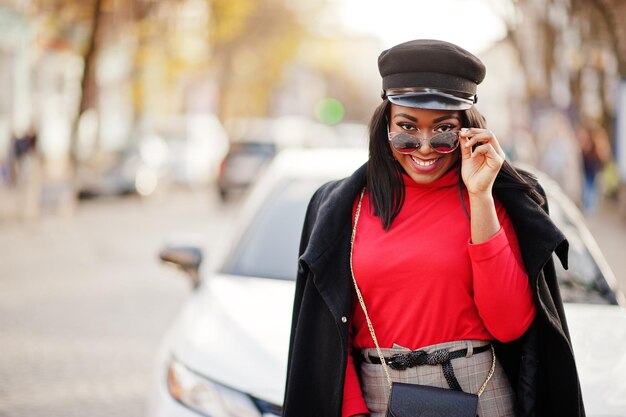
{"x":384,"y":174}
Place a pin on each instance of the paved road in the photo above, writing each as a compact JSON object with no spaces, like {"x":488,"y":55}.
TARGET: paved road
{"x":83,"y":303}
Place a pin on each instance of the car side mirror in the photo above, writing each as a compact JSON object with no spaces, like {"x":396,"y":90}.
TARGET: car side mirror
{"x":186,"y":258}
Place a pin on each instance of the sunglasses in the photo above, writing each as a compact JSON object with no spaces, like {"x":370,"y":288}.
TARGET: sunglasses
{"x":445,"y":142}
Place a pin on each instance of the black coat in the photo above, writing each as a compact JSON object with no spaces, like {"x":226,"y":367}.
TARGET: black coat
{"x":540,"y":364}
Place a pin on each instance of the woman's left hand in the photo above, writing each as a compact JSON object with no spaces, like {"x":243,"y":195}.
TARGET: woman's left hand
{"x":479,"y":167}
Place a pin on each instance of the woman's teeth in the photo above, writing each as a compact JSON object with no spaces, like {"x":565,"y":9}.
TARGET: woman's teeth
{"x":423,"y":163}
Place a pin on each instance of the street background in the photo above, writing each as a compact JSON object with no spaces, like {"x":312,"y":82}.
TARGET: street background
{"x":117,"y":119}
{"x":84,"y":302}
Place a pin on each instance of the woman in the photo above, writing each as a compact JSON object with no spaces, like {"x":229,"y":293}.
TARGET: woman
{"x":451,"y":249}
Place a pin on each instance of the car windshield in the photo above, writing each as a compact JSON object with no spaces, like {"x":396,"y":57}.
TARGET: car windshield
{"x":269,"y":248}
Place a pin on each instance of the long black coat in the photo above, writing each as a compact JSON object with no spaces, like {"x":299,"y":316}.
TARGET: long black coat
{"x":540,"y":364}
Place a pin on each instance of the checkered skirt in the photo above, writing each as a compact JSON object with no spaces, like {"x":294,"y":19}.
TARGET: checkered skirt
{"x":471,"y":371}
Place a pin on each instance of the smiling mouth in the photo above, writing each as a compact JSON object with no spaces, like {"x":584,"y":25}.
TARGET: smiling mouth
{"x":423,"y":163}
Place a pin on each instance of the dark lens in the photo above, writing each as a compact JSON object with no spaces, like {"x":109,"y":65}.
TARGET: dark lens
{"x":445,"y":142}
{"x":405,"y":143}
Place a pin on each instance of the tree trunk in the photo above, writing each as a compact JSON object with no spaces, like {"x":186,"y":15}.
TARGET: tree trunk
{"x":88,"y":90}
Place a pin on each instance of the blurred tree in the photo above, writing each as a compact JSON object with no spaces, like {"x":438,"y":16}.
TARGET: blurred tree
{"x":241,"y":46}
{"x":573,"y":53}
{"x":88,"y":83}
{"x":248,"y":42}
{"x":170,"y":46}
{"x":568,"y":50}
{"x":235,"y":50}
{"x":251,"y":43}
{"x":72,"y":26}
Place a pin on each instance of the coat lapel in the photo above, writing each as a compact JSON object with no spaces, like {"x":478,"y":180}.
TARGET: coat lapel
{"x":327,"y":253}
{"x":334,"y":217}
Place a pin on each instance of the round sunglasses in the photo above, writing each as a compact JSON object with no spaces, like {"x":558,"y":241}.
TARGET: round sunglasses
{"x":445,"y":142}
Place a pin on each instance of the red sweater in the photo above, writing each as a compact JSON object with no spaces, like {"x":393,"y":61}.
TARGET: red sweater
{"x":424,"y":282}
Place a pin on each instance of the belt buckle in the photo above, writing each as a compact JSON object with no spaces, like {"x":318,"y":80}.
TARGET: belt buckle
{"x":397,"y":362}
{"x":418,"y":358}
{"x":401,"y":361}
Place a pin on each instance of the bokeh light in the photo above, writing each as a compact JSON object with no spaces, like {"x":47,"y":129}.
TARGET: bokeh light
{"x":329,"y":111}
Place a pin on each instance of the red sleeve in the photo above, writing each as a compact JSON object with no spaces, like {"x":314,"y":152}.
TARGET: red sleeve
{"x":502,"y":290}
{"x":353,"y":401}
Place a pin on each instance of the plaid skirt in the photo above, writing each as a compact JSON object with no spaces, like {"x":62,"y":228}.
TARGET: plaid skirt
{"x":471,"y":371}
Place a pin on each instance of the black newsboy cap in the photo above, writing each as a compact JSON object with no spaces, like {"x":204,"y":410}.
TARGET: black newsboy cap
{"x":431,"y":74}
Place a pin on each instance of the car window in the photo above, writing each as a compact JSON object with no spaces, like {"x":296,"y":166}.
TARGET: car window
{"x":583,"y":281}
{"x":269,"y":248}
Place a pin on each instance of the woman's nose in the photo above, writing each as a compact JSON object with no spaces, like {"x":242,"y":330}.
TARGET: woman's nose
{"x":424,"y":148}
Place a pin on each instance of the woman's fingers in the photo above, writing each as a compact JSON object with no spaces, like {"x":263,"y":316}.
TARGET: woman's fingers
{"x":466,"y":151}
{"x":488,"y":151}
{"x":478,"y":148}
{"x":480,"y":136}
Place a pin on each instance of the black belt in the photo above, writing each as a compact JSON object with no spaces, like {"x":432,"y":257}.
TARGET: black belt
{"x":441,"y":357}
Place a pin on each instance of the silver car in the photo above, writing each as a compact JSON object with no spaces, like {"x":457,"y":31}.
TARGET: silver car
{"x":226,"y":353}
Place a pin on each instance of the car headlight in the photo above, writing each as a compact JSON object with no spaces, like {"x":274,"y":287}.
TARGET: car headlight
{"x":210,"y":398}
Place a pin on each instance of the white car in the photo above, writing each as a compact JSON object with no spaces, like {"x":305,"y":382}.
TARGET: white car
{"x":226,"y":353}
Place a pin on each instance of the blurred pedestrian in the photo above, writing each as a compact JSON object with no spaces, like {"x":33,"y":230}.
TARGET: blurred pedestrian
{"x":22,"y":145}
{"x":596,"y":153}
{"x":26,"y":173}
{"x":432,"y":264}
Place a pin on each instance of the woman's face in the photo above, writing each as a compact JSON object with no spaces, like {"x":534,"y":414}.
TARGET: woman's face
{"x":424,"y":165}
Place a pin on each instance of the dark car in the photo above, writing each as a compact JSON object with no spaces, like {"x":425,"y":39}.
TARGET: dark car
{"x":242,"y":165}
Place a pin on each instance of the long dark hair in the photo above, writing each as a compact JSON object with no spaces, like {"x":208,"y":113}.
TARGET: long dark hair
{"x":384,"y":174}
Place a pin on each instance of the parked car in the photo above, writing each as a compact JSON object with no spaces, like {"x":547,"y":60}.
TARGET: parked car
{"x":255,"y":141}
{"x":226,"y":353}
{"x":137,"y":169}
{"x":242,"y":165}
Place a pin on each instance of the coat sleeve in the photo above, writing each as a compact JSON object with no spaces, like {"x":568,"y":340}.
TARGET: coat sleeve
{"x":301,"y":278}
{"x":318,"y":346}
{"x":291,"y":400}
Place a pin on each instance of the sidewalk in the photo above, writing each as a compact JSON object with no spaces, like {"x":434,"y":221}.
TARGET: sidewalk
{"x":609,"y":230}
{"x":32,"y":200}
{"x":84,"y":301}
